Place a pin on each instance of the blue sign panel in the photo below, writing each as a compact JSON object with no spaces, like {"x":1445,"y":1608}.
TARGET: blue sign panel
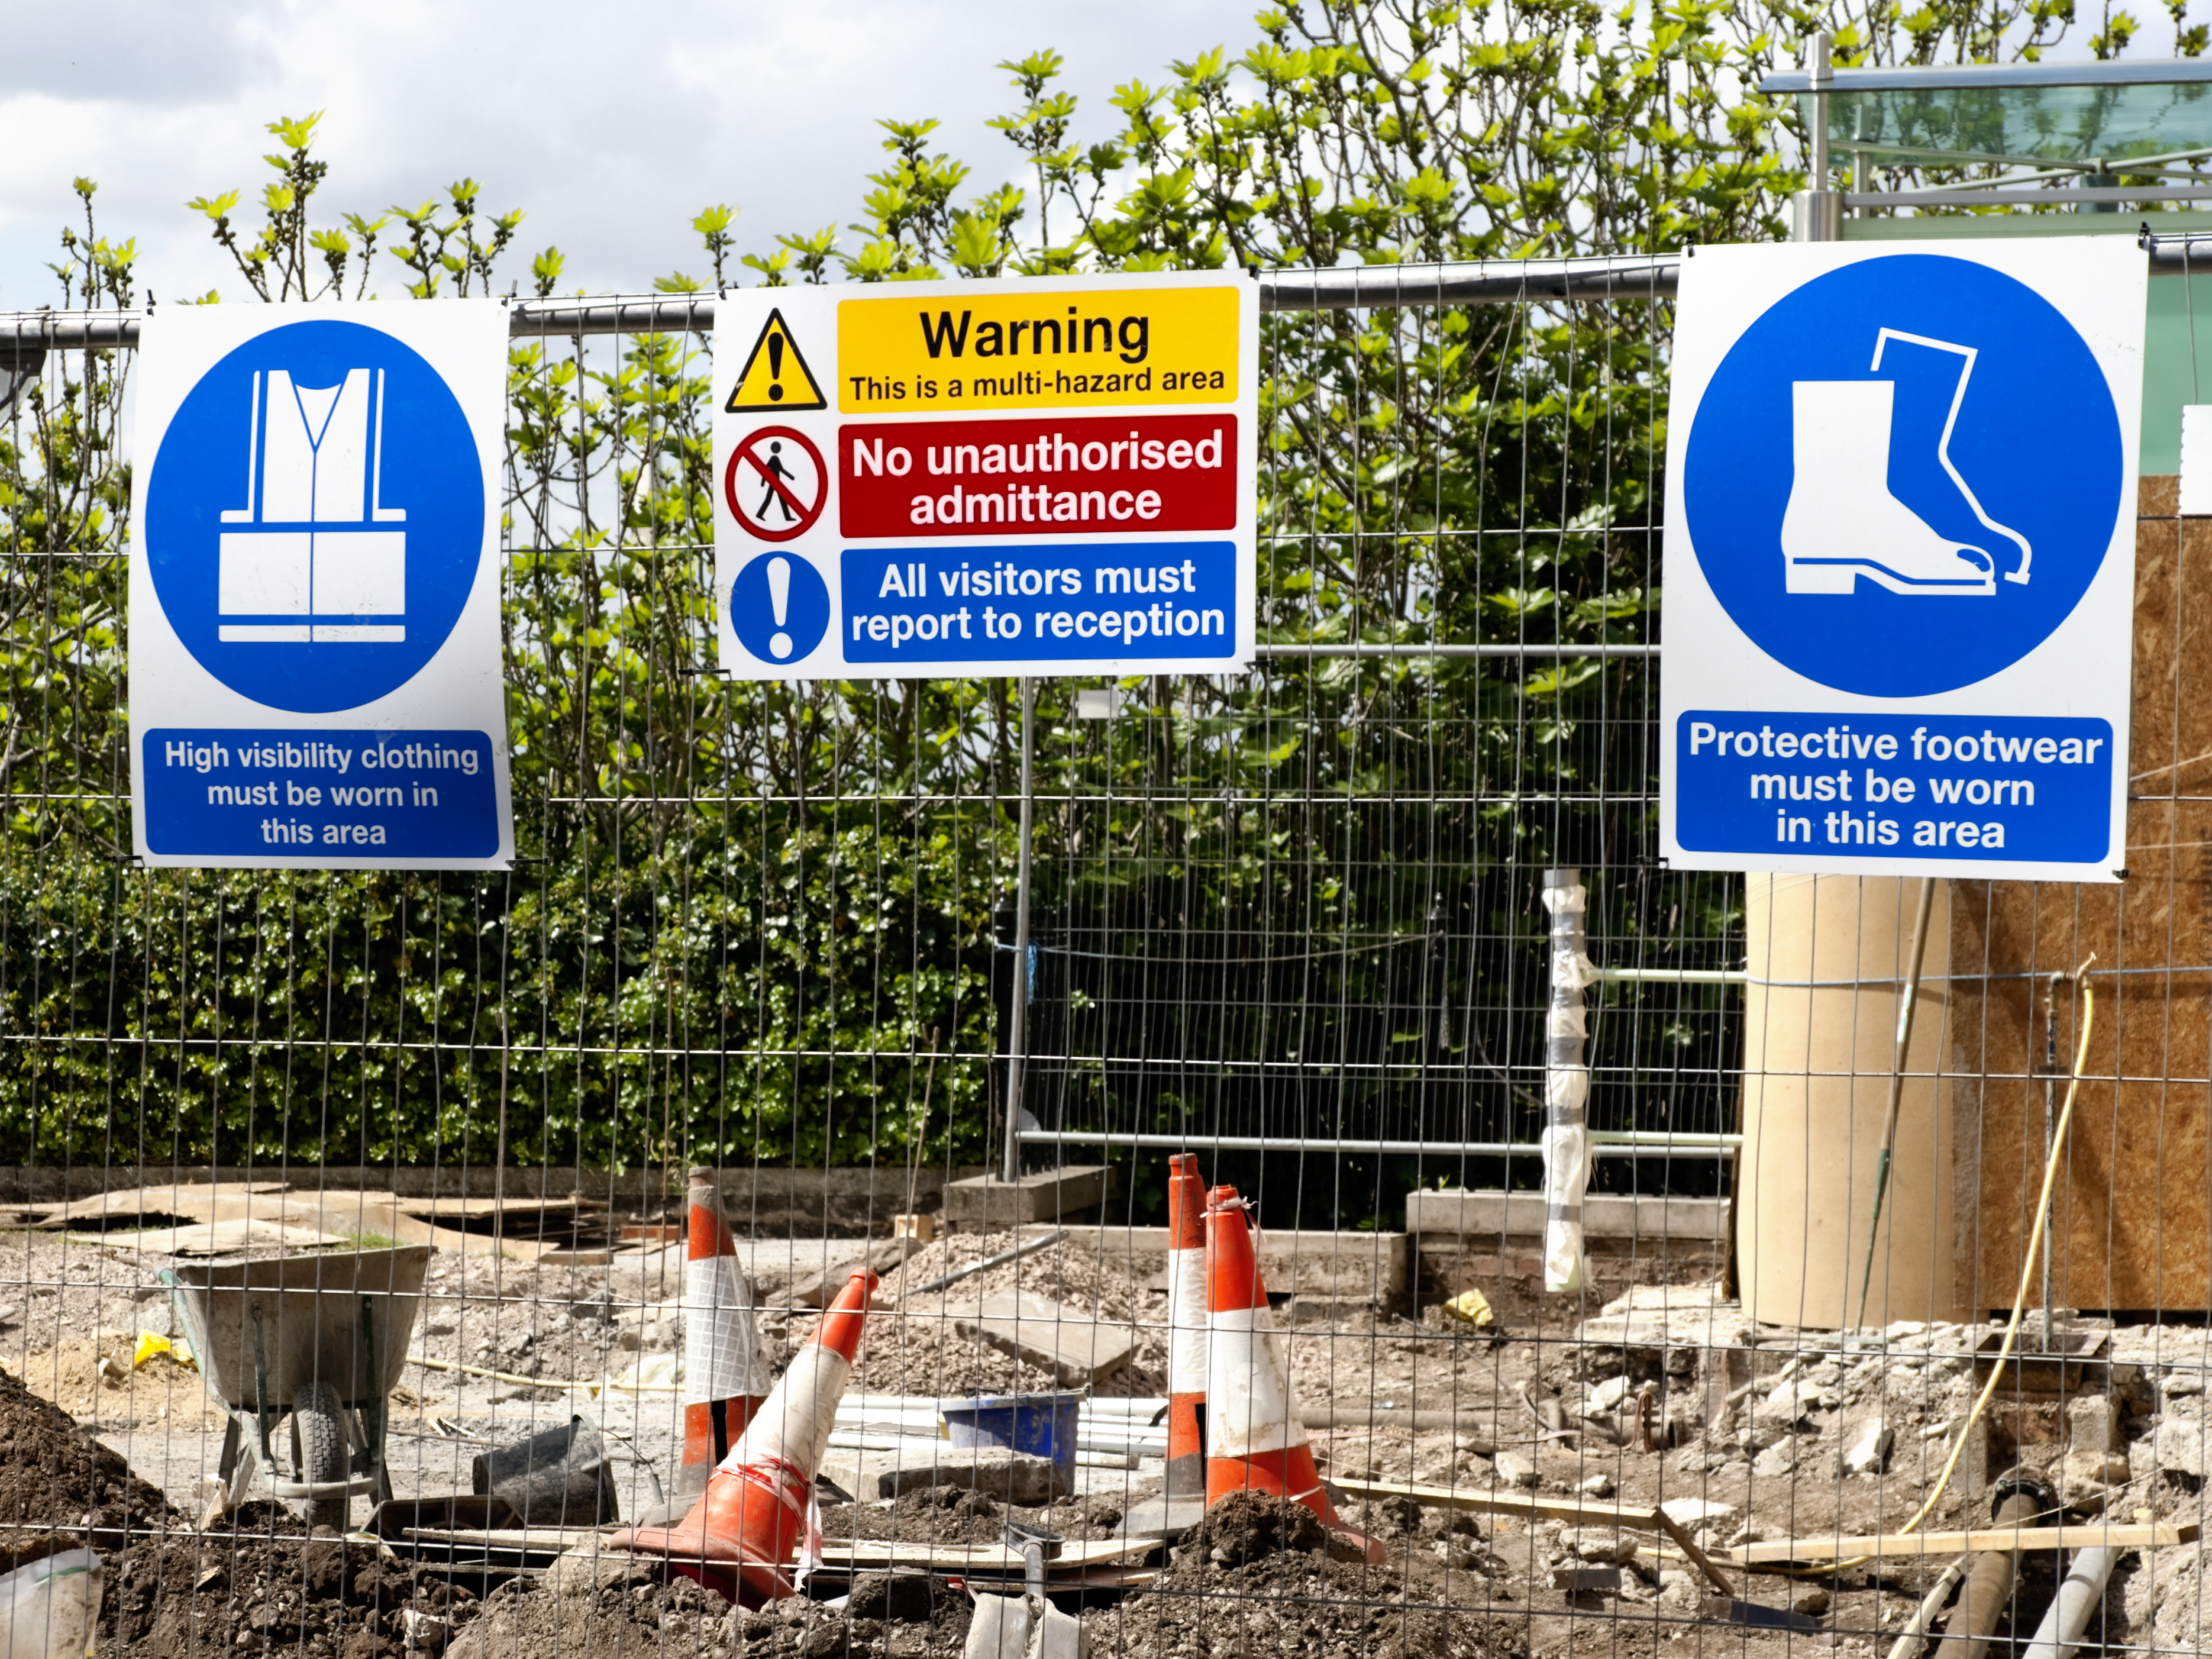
{"x":1871,"y":487}
{"x":1898,"y":564}
{"x":1996,"y":790}
{"x":315,"y":517}
{"x":387,"y":794}
{"x":1095,"y":602}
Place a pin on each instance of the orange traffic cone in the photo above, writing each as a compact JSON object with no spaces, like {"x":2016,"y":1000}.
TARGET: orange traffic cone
{"x":725,"y":1376}
{"x":1178,"y":1508}
{"x":739,"y":1538}
{"x":1255,"y":1440}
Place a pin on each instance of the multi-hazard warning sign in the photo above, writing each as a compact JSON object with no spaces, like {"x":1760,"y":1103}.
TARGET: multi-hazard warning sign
{"x":1025,"y":476}
{"x":776,"y":376}
{"x":775,"y":484}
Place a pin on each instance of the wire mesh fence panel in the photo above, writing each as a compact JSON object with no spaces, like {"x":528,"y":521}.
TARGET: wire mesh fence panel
{"x":386,"y":1244}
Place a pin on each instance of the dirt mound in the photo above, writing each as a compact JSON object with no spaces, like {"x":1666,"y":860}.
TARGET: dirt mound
{"x":315,"y":1598}
{"x":914,"y":1346}
{"x":618,"y":1604}
{"x":54,"y":1475}
{"x":930,"y":1515}
{"x":1250,"y":1526}
{"x":96,"y":1381}
{"x":1255,"y":1578}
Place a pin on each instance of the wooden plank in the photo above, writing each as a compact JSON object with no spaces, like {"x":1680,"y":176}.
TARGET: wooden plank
{"x":555,"y":1539}
{"x":1581,"y":1512}
{"x":2134,"y":1536}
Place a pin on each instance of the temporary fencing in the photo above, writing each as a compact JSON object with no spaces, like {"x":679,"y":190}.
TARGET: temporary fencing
{"x":1306,"y":923}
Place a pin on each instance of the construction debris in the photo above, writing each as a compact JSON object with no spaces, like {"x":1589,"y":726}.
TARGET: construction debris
{"x":1011,"y":1477}
{"x":1078,"y":1350}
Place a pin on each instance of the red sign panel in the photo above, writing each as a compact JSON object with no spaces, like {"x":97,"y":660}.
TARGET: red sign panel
{"x":1032,"y":477}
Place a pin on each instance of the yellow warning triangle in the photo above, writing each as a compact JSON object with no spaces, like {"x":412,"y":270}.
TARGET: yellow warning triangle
{"x":776,"y":376}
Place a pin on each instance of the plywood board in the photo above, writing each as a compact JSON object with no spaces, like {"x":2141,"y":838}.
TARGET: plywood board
{"x":222,"y":1238}
{"x":194,"y":1200}
{"x":2131,"y":1221}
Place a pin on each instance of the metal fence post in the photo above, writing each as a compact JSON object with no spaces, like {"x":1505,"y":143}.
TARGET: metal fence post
{"x":1017,"y":1040}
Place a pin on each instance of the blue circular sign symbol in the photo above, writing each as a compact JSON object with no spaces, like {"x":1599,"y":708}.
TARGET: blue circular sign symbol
{"x":780,"y":607}
{"x":1904,"y":475}
{"x":315,"y":517}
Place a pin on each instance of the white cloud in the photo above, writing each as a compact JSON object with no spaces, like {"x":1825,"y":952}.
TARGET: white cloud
{"x":609,"y":126}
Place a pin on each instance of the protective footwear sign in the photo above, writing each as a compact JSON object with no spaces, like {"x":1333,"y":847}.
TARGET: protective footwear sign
{"x":315,"y":658}
{"x":1019,"y":477}
{"x":1899,"y":558}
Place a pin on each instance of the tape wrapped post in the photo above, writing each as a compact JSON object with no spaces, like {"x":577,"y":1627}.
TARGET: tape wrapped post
{"x":1566,"y":1083}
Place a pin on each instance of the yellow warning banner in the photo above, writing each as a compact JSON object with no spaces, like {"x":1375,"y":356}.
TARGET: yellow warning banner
{"x":1053,"y":349}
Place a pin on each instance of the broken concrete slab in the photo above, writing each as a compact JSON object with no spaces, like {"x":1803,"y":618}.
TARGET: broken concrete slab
{"x":1696,"y":1514}
{"x":1866,"y":1450}
{"x":1016,"y":1477}
{"x":1076,"y":1348}
{"x":1605,"y":1547}
{"x":2095,"y":1423}
{"x":819,"y":1290}
{"x":985,"y":1204}
{"x":1514,"y":1470}
{"x":2177,"y":1445}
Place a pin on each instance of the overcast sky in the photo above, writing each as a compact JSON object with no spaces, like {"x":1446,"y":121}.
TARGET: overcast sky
{"x":610,"y":125}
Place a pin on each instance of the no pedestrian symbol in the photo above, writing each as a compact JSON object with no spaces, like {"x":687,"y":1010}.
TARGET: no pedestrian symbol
{"x":776,"y":484}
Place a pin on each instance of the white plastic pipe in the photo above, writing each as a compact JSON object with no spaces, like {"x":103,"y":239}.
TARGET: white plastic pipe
{"x":2080,"y":1593}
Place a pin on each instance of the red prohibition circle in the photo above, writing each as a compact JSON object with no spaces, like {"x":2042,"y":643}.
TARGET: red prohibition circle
{"x":746,"y":456}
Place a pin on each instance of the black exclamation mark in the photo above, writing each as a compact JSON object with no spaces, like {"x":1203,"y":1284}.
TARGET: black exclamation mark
{"x":775,"y":368}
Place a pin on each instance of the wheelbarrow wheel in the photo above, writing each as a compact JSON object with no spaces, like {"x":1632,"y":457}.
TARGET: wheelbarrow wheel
{"x":318,"y":1450}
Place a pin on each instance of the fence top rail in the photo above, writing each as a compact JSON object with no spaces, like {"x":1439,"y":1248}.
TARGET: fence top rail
{"x":1618,"y":276}
{"x":1469,"y":282}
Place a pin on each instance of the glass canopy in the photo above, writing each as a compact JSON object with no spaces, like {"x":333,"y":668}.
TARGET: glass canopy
{"x":2018,"y":114}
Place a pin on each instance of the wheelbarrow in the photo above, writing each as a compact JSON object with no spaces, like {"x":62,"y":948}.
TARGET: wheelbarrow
{"x":320,"y":1337}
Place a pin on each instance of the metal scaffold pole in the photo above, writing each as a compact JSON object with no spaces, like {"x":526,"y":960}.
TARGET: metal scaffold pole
{"x":1017,"y":1040}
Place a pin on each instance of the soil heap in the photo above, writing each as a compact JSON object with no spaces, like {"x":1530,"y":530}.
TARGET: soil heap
{"x":54,"y":1476}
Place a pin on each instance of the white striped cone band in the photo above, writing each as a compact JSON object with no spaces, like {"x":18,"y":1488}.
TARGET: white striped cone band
{"x":793,"y":1423}
{"x":1187,"y":1321}
{"x":1249,"y":1406}
{"x":722,"y":1358}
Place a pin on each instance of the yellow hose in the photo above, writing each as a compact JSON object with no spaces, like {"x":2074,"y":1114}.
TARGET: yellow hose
{"x":2020,"y":1297}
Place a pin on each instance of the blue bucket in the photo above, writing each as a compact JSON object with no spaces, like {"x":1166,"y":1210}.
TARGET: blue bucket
{"x":1042,"y":1424}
